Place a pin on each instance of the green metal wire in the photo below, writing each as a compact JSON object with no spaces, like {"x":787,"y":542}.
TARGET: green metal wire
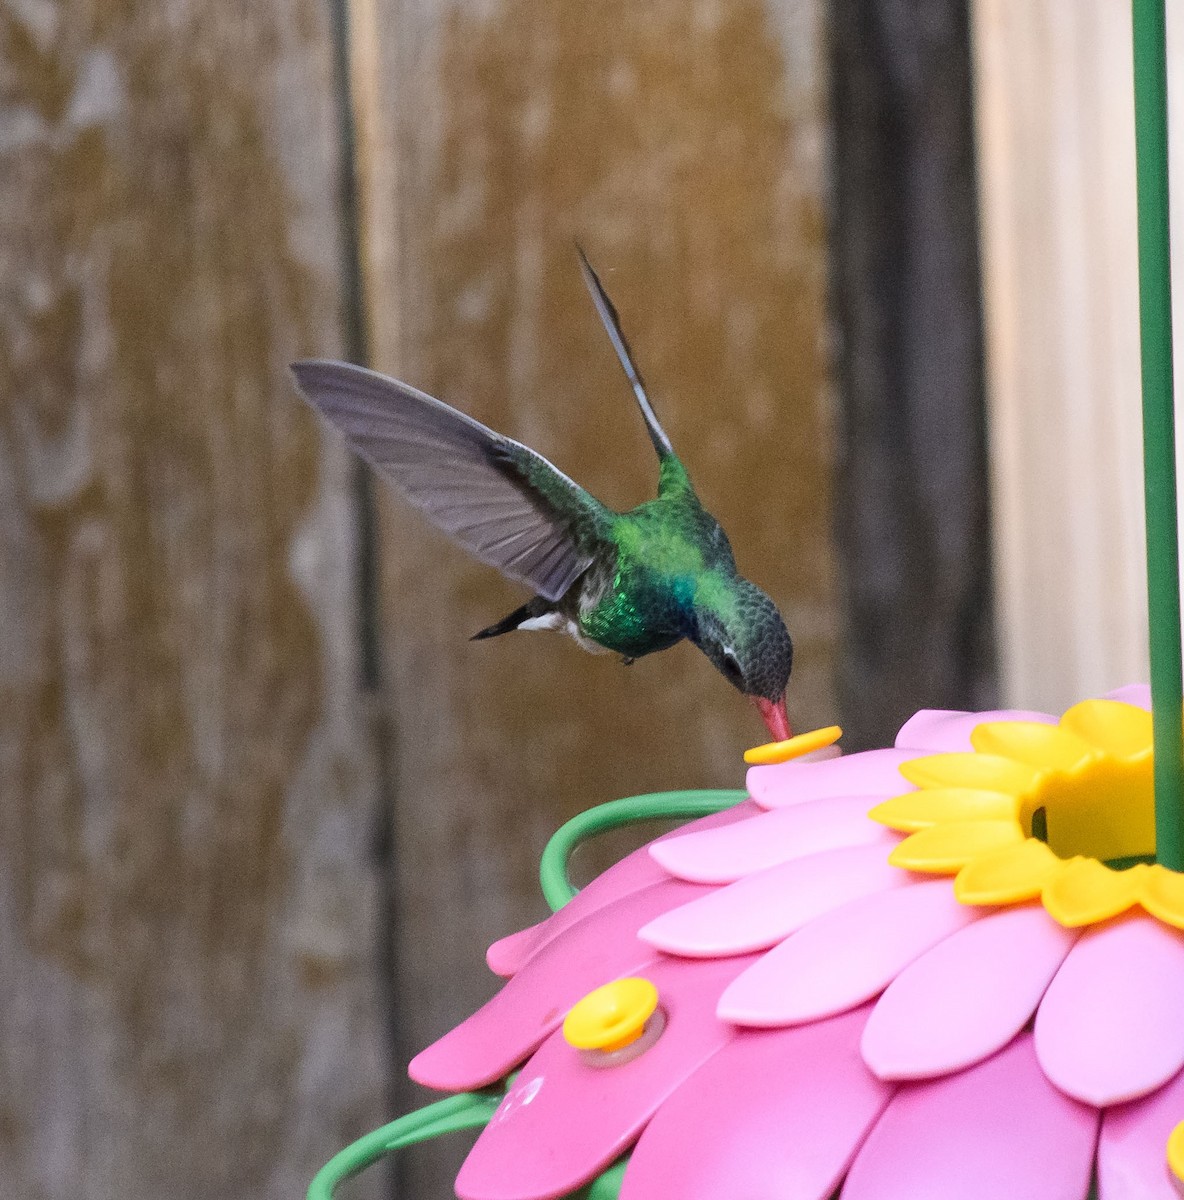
{"x":1159,"y":435}
{"x":606,"y":1186}
{"x":654,"y":806}
{"x":469,"y":1110}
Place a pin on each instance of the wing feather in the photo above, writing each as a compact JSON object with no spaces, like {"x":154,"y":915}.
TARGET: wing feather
{"x":504,"y":503}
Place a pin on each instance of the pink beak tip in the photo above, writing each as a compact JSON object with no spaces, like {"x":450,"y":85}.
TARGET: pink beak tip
{"x":775,"y":717}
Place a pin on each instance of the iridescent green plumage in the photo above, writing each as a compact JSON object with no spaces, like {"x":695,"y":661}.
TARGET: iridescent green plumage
{"x":633,"y":583}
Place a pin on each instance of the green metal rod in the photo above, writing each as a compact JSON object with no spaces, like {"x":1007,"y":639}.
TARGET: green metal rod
{"x":1159,"y":435}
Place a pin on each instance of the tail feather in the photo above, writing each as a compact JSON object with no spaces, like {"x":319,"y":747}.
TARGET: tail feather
{"x":533,"y":608}
{"x":612,"y":326}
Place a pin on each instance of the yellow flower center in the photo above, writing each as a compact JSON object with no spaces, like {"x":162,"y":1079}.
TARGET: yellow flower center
{"x":1103,"y":808}
{"x":1062,"y":812}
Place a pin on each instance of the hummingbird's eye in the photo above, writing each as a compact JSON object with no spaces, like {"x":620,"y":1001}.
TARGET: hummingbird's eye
{"x":732,"y":669}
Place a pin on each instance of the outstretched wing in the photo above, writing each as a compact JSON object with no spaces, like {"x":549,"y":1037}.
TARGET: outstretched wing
{"x":503,"y":502}
{"x":612,"y":326}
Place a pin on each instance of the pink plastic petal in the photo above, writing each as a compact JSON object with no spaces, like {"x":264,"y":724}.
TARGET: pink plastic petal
{"x":725,"y":855}
{"x":499,"y":1035}
{"x":777,"y":1115}
{"x":997,"y":1130}
{"x":1131,"y":1150}
{"x":846,"y":956}
{"x":564,"y":1121}
{"x":947,"y":731}
{"x":1111,"y":1027}
{"x":870,"y":773}
{"x":967,"y":997}
{"x":760,"y":910}
{"x":1138,"y":694}
{"x":506,"y":956}
{"x":638,"y":870}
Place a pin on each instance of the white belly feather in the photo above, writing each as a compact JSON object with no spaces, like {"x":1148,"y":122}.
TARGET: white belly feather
{"x":559,"y":623}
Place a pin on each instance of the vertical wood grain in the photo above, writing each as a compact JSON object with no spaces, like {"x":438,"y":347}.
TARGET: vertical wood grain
{"x":186,"y":898}
{"x":681,"y":144}
{"x":912,"y":511}
{"x":1056,"y":147}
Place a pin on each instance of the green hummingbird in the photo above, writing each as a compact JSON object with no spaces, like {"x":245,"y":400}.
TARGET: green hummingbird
{"x":632,"y":583}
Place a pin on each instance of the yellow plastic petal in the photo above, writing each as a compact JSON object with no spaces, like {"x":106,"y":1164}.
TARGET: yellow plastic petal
{"x":934,"y":806}
{"x":1085,"y":890}
{"x":1120,"y":729}
{"x":944,"y":849}
{"x":1163,"y":895}
{"x":1046,"y":746}
{"x":1007,"y":876}
{"x":989,"y":771}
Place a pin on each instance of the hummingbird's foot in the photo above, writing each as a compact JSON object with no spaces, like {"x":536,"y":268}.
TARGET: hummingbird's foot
{"x":626,"y":661}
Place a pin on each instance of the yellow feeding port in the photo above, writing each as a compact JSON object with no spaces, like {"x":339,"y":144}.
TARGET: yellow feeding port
{"x":794,"y":747}
{"x":1176,"y":1156}
{"x":612,"y":1017}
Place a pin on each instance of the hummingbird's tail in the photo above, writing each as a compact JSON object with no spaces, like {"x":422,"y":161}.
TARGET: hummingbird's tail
{"x":536,"y":609}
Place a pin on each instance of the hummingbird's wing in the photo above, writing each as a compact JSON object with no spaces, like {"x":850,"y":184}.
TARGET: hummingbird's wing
{"x":612,"y":326}
{"x":503,"y":502}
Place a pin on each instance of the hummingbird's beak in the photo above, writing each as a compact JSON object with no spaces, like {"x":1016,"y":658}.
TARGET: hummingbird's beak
{"x":775,"y":717}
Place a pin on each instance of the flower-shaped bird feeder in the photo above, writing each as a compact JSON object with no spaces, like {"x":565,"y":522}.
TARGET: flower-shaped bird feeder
{"x":946,"y":969}
{"x":951,"y":969}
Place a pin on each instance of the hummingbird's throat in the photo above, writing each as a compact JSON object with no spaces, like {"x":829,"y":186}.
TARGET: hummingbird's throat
{"x":775,"y":717}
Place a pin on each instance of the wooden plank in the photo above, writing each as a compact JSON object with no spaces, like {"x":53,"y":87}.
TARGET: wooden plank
{"x":187,"y":904}
{"x":683,"y":149}
{"x":1056,"y":152}
{"x":912,"y":519}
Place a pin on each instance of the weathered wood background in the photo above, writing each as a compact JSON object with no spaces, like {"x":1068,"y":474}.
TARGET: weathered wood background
{"x":911,"y":509}
{"x":262,"y":804}
{"x":187,"y":900}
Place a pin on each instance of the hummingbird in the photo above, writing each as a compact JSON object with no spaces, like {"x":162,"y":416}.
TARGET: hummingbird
{"x":631,"y":583}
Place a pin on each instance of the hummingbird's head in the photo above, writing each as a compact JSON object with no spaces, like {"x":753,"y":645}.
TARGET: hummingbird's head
{"x":743,"y":634}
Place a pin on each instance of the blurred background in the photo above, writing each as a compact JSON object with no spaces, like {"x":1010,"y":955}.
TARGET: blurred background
{"x":262,"y":804}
